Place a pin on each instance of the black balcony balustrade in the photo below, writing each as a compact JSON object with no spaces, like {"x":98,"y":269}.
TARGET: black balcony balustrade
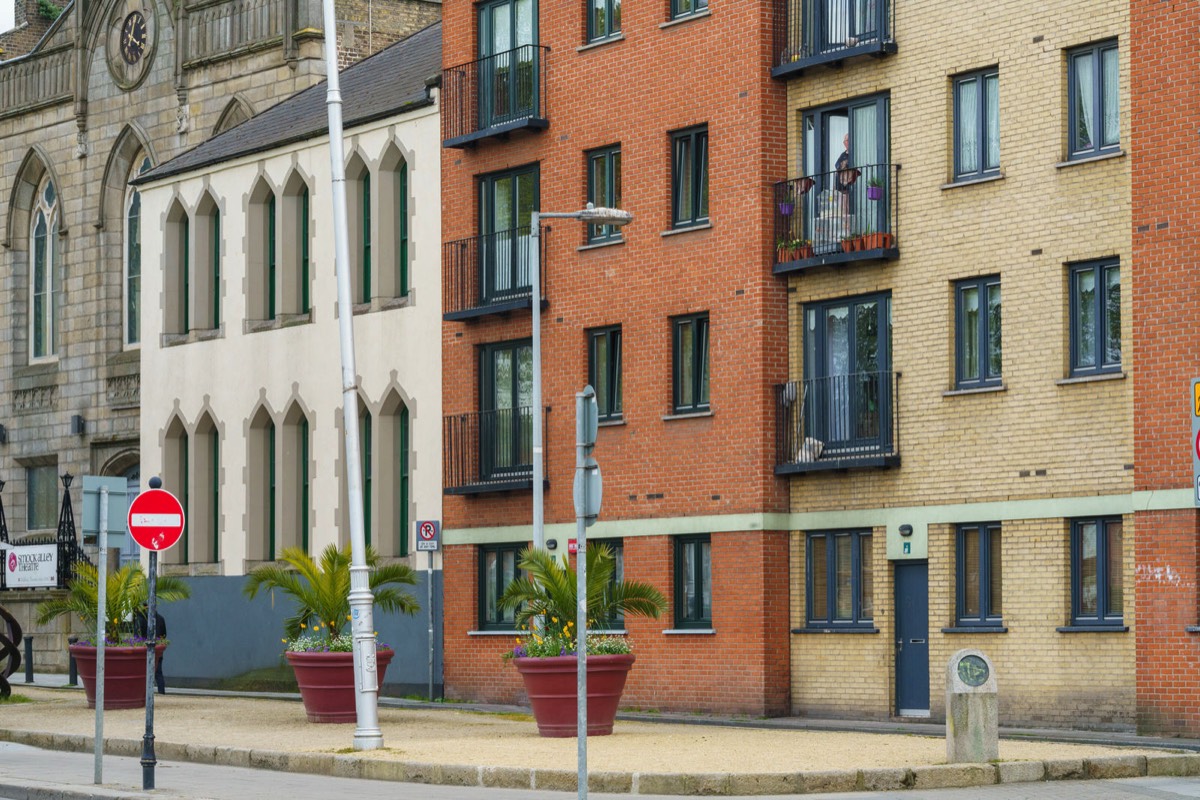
{"x":837,"y":217}
{"x":837,"y":422}
{"x":490,"y":273}
{"x":494,"y":96}
{"x":488,"y":451}
{"x":812,"y":32}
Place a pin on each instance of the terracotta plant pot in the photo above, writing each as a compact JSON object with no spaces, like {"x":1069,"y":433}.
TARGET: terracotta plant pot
{"x":849,"y":245}
{"x":326,"y":682}
{"x":124,"y":674}
{"x":805,"y":252}
{"x":551,"y":686}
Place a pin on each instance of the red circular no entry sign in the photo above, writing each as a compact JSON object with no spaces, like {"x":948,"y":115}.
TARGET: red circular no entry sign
{"x":156,"y":519}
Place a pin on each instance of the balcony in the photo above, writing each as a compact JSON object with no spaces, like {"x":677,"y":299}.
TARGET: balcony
{"x":488,"y":451}
{"x":494,"y":96}
{"x":838,"y":422}
{"x":812,"y":32}
{"x":838,"y":217}
{"x":489,"y":274}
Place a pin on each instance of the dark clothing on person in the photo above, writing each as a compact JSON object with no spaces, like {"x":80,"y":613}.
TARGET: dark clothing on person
{"x":845,"y":174}
{"x":160,"y":632}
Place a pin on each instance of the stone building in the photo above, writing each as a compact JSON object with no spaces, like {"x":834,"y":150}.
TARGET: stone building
{"x":111,"y":89}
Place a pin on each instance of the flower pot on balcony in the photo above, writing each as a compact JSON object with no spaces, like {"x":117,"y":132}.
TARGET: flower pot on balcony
{"x":874,"y":192}
{"x":551,"y":686}
{"x":124,"y":674}
{"x":326,"y":682}
{"x":851,"y":244}
{"x":786,"y":208}
{"x":804,"y":251}
{"x":877,"y":241}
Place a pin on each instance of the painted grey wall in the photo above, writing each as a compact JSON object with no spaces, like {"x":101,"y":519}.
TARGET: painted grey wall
{"x":218,"y":633}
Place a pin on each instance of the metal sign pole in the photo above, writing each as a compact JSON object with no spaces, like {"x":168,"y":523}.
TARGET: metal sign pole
{"x":429,"y":605}
{"x":101,"y":619}
{"x":148,"y":760}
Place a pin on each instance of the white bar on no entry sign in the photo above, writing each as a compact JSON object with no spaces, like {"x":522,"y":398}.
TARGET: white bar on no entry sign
{"x":155,"y":520}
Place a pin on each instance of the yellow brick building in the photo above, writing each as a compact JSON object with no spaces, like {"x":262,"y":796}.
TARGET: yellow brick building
{"x":973,"y":366}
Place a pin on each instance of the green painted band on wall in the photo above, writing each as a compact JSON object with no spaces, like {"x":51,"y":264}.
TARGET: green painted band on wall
{"x":920,"y":517}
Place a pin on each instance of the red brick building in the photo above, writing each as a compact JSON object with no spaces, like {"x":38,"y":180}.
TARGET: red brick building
{"x":665,"y":109}
{"x":1166,"y":288}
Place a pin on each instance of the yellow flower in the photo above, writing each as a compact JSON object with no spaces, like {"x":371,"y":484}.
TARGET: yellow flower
{"x":554,"y":619}
{"x":302,"y":625}
{"x":347,"y":616}
{"x":283,"y":640}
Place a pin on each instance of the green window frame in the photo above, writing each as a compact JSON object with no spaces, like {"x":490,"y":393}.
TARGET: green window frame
{"x":603,"y":19}
{"x":1093,"y":100}
{"x":617,"y":621}
{"x":840,"y":590}
{"x":1095,"y":309}
{"x":604,"y":190}
{"x":1097,"y":571}
{"x":186,"y":233}
{"x":402,"y":490}
{"x":271,"y":492}
{"x":365,"y":284}
{"x":689,"y":177}
{"x":686,"y":8}
{"x":216,"y":269}
{"x":215,"y":480}
{"x":690,"y":356}
{"x":272,"y":281}
{"x":979,"y":595}
{"x":305,"y":484}
{"x":305,"y":268}
{"x":497,"y":568}
{"x":693,"y":581}
{"x":604,"y":370}
{"x":186,"y":495}
{"x":978,"y":329}
{"x":402,"y":230}
{"x":977,"y":124}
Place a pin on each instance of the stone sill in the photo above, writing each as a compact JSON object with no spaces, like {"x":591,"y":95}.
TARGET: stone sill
{"x":1091,"y":159}
{"x":976,"y":629}
{"x":1100,"y":376}
{"x":689,"y":631}
{"x":1093,"y":629}
{"x":619,"y":37}
{"x":978,"y":390}
{"x":702,"y":226}
{"x":599,"y":245}
{"x":847,"y":629}
{"x":687,"y":415}
{"x":999,"y":176}
{"x":679,"y":21}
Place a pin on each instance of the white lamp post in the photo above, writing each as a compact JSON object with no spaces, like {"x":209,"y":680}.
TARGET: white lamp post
{"x":592,"y":216}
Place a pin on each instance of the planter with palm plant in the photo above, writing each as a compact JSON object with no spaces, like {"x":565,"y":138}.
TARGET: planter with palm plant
{"x":321,"y":655}
{"x":126,"y":594}
{"x":544,"y":599}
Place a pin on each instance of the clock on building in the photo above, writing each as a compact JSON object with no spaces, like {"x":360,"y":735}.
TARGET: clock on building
{"x":132,"y":33}
{"x":133,"y":37}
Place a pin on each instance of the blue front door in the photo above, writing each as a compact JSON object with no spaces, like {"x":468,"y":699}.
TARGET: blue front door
{"x":912,"y":638}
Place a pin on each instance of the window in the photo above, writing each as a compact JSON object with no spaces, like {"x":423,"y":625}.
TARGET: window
{"x":204,"y":517}
{"x":297,"y":485}
{"x":262,"y":256}
{"x":977,"y":124}
{"x":41,"y":496}
{"x":977,"y":326}
{"x":980,"y":575}
{"x":1095,"y":318}
{"x":604,"y":370}
{"x":364,"y":282}
{"x":841,"y":590}
{"x":509,"y":79}
{"x":617,"y":546}
{"x":402,"y":230}
{"x":133,"y":261}
{"x":44,"y":283}
{"x":261,"y":492}
{"x":684,"y":8}
{"x":176,"y":280}
{"x":497,"y":569}
{"x":693,"y":581}
{"x":1093,"y":89}
{"x":358,"y":212}
{"x":603,"y":19}
{"x":507,"y":201}
{"x":604,"y":190}
{"x":392,"y":476}
{"x":506,"y":406}
{"x":206,"y":293}
{"x":293,"y":260}
{"x":689,"y":177}
{"x":691,"y":363}
{"x":1097,"y":572}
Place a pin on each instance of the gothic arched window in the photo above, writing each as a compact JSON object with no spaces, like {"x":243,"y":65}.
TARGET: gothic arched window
{"x":44,"y":284}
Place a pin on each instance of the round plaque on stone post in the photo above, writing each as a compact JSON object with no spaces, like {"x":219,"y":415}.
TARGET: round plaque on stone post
{"x":972,"y":709}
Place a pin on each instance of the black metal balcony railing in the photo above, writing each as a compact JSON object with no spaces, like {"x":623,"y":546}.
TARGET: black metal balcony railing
{"x":837,"y":217}
{"x":838,"y":422}
{"x":488,"y":451}
{"x":494,"y":95}
{"x":489,"y":274}
{"x":811,"y":32}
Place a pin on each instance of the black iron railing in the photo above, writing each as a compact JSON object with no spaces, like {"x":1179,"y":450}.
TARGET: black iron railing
{"x":497,"y":93}
{"x":834,"y":421}
{"x":487,"y":450}
{"x":849,"y":211}
{"x":489,"y":273}
{"x":812,"y":31}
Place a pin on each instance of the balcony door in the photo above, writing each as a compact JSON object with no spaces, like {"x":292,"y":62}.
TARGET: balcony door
{"x":844,"y":151}
{"x":848,"y":383}
{"x":847,"y":23}
{"x":507,"y":201}
{"x":506,"y":432}
{"x":508,"y":61}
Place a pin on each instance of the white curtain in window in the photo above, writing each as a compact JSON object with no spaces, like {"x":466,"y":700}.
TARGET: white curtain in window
{"x":1112,"y":103}
{"x":1085,"y":102}
{"x":991,"y":88}
{"x":968,"y":132}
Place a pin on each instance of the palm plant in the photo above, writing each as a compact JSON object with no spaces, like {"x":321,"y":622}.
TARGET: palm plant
{"x":322,"y":589}
{"x":547,"y":591}
{"x":126,"y":592}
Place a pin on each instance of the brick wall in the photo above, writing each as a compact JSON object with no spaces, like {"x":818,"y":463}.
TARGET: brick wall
{"x":366,"y":27}
{"x":1167,"y":334}
{"x":29,"y":28}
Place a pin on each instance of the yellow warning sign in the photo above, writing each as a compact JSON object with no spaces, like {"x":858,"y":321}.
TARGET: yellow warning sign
{"x":1196,"y":398}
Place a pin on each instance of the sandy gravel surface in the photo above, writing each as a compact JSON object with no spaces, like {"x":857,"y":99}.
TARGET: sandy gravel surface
{"x":464,"y":737}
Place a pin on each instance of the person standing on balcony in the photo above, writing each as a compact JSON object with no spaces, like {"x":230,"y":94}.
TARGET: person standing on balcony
{"x":846,"y":175}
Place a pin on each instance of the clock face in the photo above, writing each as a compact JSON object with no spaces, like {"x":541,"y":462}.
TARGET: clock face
{"x":133,"y":37}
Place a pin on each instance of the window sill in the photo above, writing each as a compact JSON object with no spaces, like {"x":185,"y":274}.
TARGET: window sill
{"x":689,"y":631}
{"x":600,"y":245}
{"x":978,"y":390}
{"x":280,"y":321}
{"x":687,"y":18}
{"x":699,"y":226}
{"x":198,"y":335}
{"x":611,"y":423}
{"x":1101,"y":376}
{"x":608,"y":632}
{"x":1093,"y":629}
{"x":848,"y":629}
{"x":513,"y":632}
{"x":1090,"y":159}
{"x":999,"y":176}
{"x":976,"y":629}
{"x":687,"y":415}
{"x":39,"y":369}
{"x":619,"y":37}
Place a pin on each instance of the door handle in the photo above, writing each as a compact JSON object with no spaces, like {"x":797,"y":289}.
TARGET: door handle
{"x":899,"y":645}
{"x":916,"y":641}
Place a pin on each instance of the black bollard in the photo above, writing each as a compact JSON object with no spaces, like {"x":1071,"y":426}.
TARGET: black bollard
{"x":29,"y":659}
{"x":72,"y":670}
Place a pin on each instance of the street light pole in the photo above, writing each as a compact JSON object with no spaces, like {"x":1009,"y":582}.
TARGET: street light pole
{"x":592,"y":216}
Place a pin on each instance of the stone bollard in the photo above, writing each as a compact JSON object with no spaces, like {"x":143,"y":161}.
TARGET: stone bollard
{"x":972,"y":709}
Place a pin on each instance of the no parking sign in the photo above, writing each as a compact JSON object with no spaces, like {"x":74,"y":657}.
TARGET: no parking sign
{"x":429,"y":534}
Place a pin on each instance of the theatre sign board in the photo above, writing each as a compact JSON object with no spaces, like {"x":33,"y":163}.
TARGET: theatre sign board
{"x":31,"y":566}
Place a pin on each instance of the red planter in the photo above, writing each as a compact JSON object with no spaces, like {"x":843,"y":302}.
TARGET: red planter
{"x":326,"y":683}
{"x":124,"y":674}
{"x":551,"y":685}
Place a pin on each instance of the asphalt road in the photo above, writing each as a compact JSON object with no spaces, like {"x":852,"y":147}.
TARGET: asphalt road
{"x":24,"y":769}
